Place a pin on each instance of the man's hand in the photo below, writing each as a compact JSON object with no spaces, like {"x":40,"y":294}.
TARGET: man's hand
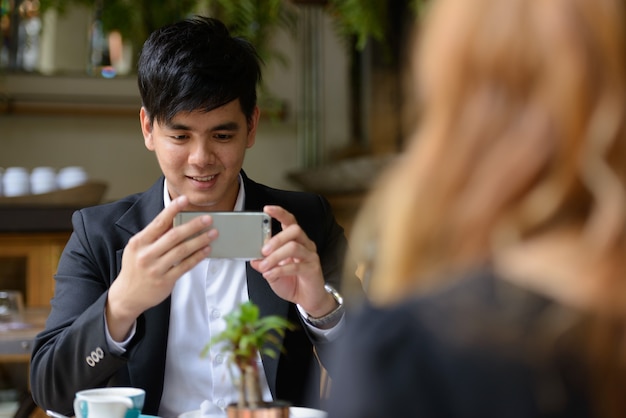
{"x":292,"y":266}
{"x":154,"y":259}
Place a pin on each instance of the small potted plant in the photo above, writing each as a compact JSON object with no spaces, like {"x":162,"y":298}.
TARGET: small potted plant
{"x":246,"y":336}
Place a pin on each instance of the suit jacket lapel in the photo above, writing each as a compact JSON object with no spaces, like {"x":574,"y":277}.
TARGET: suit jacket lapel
{"x":259,"y":291}
{"x":144,"y":210}
{"x":147,"y":368}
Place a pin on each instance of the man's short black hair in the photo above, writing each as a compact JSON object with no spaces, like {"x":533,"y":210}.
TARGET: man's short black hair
{"x":195,"y":64}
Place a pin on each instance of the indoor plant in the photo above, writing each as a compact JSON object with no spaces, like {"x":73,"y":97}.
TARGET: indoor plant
{"x":247,"y":335}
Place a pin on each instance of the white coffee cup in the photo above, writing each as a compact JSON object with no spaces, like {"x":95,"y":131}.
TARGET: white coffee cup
{"x":102,"y":406}
{"x":136,"y":396}
{"x":72,"y":176}
{"x":15,"y":181}
{"x":11,"y":305}
{"x":43,"y":180}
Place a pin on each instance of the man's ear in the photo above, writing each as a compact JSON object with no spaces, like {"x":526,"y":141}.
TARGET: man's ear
{"x":146,"y":128}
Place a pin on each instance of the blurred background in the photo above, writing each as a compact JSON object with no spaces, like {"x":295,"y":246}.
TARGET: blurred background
{"x":335,"y":106}
{"x":334,"y":86}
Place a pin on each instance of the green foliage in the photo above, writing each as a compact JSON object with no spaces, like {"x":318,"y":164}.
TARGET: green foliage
{"x":360,"y":18}
{"x":61,"y":5}
{"x":256,"y":21}
{"x":365,"y":19}
{"x":420,"y":7}
{"x":247,"y":334}
{"x":134,"y":19}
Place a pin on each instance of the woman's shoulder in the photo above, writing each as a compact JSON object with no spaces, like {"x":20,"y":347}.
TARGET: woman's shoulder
{"x":478,"y":308}
{"x":479,"y":342}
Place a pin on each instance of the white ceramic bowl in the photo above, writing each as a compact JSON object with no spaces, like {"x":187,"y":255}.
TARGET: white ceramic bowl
{"x":15,"y":181}
{"x":72,"y":176}
{"x":43,"y":180}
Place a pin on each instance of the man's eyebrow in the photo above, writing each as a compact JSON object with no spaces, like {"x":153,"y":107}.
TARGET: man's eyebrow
{"x":177,"y":126}
{"x":228,"y":126}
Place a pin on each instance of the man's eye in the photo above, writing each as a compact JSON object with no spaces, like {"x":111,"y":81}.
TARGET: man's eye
{"x":179,"y":137}
{"x":223,"y":137}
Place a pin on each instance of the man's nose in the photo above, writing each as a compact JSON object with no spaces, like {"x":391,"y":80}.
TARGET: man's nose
{"x":202,"y":154}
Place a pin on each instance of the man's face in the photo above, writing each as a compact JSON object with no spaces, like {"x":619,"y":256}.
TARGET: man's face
{"x":201,"y":153}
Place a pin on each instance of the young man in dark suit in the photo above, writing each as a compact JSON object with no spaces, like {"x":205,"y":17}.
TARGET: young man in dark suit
{"x":136,"y":300}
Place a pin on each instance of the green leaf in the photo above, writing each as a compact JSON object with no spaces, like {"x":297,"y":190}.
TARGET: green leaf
{"x":246,"y":334}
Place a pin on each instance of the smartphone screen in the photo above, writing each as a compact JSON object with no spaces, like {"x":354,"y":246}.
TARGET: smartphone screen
{"x":241,"y":234}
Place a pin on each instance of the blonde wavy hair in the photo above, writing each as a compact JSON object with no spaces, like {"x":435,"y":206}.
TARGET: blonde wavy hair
{"x":521,"y":134}
{"x":523,"y":106}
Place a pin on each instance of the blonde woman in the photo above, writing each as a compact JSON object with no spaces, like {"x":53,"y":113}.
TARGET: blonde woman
{"x":496,"y":247}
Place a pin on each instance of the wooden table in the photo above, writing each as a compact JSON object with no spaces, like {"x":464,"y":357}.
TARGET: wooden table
{"x":15,"y":348}
{"x":32,"y":238}
{"x":16,"y":343}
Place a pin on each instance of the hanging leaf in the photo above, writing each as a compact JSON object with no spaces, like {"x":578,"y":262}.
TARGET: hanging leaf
{"x":360,"y":18}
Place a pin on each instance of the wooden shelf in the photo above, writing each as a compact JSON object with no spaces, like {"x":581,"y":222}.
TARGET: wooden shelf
{"x":39,"y":252}
{"x":69,"y":95}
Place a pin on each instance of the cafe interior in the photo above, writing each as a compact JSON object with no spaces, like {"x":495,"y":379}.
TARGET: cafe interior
{"x":335,"y":105}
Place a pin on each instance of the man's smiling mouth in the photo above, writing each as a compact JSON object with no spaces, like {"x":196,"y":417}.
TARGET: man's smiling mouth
{"x":207,"y":178}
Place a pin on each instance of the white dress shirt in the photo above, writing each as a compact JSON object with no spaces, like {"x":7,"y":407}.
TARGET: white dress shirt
{"x":200,"y":299}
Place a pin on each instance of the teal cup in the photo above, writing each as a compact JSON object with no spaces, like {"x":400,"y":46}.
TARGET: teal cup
{"x":129,"y":400}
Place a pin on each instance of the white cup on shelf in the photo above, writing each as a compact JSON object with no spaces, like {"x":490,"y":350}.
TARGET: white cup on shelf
{"x":43,"y":180}
{"x":72,"y":176}
{"x":11,"y":305}
{"x":15,"y":181}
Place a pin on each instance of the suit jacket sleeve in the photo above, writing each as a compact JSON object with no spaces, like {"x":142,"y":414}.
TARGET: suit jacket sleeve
{"x":322,"y":227}
{"x":332,"y":247}
{"x":71,"y":353}
{"x":315,"y":217}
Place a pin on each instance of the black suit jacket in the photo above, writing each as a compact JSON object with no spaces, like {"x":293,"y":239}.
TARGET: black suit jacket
{"x":71,"y":354}
{"x":480,"y":347}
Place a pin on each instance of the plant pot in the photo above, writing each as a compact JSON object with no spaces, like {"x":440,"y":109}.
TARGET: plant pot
{"x":275,"y":409}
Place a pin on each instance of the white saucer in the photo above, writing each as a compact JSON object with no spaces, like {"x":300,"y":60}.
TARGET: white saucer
{"x":191,"y":414}
{"x":299,"y":412}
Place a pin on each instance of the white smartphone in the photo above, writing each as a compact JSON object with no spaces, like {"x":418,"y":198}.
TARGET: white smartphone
{"x":241,"y":234}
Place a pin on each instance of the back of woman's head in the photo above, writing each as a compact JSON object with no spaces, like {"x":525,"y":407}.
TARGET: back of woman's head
{"x":195,"y":64}
{"x":523,"y":108}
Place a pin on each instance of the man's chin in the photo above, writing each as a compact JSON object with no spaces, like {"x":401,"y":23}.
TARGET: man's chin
{"x":202,"y":205}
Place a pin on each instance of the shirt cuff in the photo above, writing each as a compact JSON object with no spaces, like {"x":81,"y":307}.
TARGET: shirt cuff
{"x":323,"y":335}
{"x":118,"y":348}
